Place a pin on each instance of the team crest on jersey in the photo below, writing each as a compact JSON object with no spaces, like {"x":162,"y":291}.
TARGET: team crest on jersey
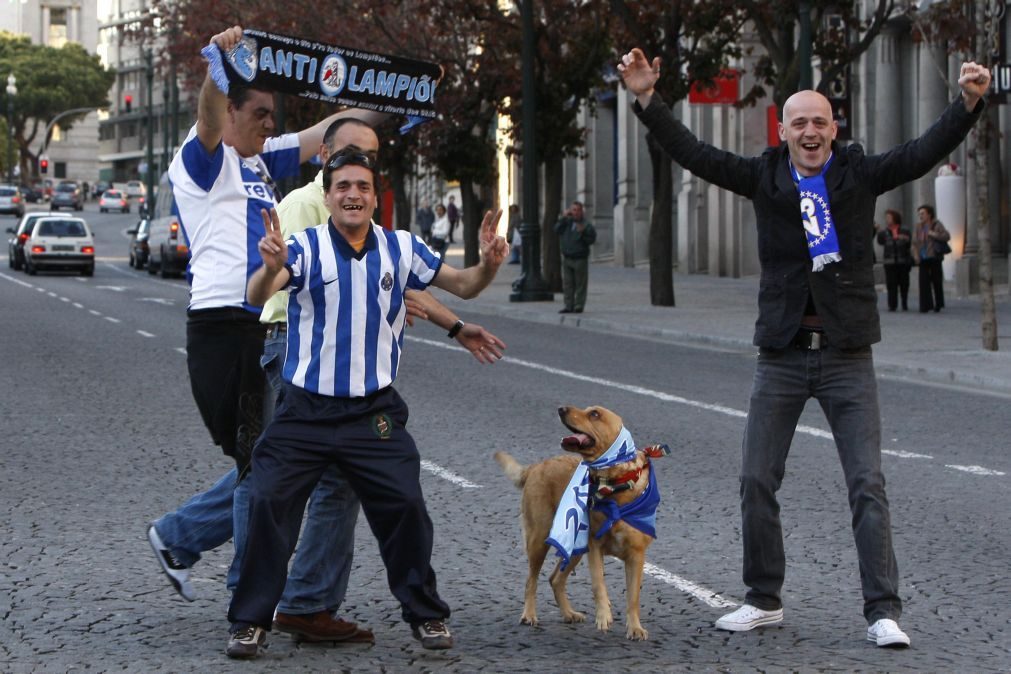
{"x":382,"y":426}
{"x":243,"y":58}
{"x":387,"y":282}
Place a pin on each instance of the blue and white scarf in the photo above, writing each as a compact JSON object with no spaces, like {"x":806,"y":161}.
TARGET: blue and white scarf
{"x":816,"y":215}
{"x":570,"y":531}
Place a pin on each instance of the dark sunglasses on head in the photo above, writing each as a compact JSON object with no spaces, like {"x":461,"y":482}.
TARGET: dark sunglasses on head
{"x":351,"y":158}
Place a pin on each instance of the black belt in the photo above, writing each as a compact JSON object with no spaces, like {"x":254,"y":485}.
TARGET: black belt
{"x":275,"y":329}
{"x":810,"y":340}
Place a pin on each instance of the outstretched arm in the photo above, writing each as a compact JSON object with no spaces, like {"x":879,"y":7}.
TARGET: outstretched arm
{"x":484,"y":346}
{"x":974,"y":80}
{"x":212,"y":106}
{"x":468,"y":283}
{"x":309,"y":139}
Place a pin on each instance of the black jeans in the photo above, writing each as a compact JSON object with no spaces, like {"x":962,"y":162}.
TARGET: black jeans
{"x":897,"y":282}
{"x":931,"y":284}
{"x":367,"y":438}
{"x":843,"y":383}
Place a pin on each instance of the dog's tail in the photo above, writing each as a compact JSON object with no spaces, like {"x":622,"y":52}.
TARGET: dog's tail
{"x":512,"y":468}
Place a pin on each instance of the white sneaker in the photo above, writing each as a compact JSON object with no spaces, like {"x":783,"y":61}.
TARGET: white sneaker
{"x":749,"y":617}
{"x":886,"y":632}
{"x":177,"y":573}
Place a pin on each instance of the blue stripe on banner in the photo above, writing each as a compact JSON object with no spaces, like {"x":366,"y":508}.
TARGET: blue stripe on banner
{"x":317,"y":294}
{"x":373,"y":269}
{"x":342,"y":364}
{"x":202,"y":167}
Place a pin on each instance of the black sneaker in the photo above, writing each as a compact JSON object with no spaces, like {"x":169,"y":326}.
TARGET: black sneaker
{"x":178,"y":574}
{"x":244,"y":644}
{"x":433,"y":635}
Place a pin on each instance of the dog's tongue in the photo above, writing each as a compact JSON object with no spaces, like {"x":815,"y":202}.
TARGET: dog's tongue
{"x":576,"y":440}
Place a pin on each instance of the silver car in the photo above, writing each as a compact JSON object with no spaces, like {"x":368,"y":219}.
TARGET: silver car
{"x":12,"y":201}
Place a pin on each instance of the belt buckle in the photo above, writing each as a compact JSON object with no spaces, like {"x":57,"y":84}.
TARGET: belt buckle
{"x":815,"y":344}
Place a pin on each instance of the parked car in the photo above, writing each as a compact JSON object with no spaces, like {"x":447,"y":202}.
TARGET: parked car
{"x":44,"y":187}
{"x":139,"y":250}
{"x":169,"y":251}
{"x":136,"y":191}
{"x":12,"y":202}
{"x":113,"y":200}
{"x":99,"y":188}
{"x":20,"y":234}
{"x":68,"y":194}
{"x":32,"y":195}
{"x":60,"y":242}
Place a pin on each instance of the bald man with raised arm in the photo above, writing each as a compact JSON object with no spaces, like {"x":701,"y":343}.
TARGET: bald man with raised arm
{"x":814,"y":206}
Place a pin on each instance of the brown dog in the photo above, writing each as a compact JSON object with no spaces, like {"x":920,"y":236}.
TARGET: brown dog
{"x":594,"y":430}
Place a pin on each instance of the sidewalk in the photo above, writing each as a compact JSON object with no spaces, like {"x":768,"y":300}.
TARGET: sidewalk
{"x":943,"y":347}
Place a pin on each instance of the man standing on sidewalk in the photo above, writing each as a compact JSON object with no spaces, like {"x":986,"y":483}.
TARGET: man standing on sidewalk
{"x":814,"y":202}
{"x":575,"y":236}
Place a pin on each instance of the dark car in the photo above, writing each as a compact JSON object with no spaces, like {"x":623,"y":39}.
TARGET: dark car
{"x":139,"y":250}
{"x":68,"y":194}
{"x":100,"y":187}
{"x":12,"y":202}
{"x":169,"y":251}
{"x":20,"y":234}
{"x":31,"y":194}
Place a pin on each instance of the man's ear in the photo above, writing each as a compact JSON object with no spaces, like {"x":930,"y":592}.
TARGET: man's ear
{"x":782,"y":132}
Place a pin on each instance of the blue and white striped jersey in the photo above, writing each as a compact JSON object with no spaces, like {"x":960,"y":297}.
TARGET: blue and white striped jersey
{"x":346,"y":310}
{"x":218,"y":198}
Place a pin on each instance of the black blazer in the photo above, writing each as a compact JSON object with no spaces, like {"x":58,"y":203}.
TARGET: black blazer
{"x":843,"y":292}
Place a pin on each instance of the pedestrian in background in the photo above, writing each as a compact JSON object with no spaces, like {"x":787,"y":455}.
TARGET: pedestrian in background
{"x":513,"y":235}
{"x":814,"y":204}
{"x":424,"y":218}
{"x":897,"y":241}
{"x":930,"y":234}
{"x":453,"y":213}
{"x":440,"y":230}
{"x":575,"y":236}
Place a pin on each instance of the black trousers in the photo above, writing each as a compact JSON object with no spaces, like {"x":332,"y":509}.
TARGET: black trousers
{"x":897,"y":283}
{"x":931,"y":284}
{"x":368,"y":439}
{"x":223,"y":349}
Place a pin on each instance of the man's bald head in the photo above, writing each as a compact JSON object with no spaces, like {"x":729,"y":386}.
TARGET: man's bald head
{"x":808,"y":130}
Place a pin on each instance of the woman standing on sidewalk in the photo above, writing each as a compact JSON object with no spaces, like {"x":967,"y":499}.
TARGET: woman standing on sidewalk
{"x":929,"y":233}
{"x":897,"y":259}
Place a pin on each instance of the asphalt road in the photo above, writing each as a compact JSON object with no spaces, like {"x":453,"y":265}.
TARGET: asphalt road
{"x":100,"y":436}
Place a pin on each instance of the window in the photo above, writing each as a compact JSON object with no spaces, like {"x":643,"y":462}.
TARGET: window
{"x":60,"y":169}
{"x":57,"y":27}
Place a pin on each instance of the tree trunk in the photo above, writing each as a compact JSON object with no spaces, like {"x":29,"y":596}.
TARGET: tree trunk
{"x":661,"y":229}
{"x":470,"y":214}
{"x":988,"y":318}
{"x":552,"y":261}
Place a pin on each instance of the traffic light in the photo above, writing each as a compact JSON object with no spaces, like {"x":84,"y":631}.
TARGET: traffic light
{"x":128,"y":101}
{"x":44,"y":165}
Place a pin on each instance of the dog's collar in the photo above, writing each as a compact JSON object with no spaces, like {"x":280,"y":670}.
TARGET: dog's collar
{"x":604,"y":487}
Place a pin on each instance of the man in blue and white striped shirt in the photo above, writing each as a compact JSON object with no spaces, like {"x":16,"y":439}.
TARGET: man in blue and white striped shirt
{"x":346,"y":317}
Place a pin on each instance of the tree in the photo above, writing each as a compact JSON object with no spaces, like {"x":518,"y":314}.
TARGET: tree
{"x":49,"y":81}
{"x":695,"y":41}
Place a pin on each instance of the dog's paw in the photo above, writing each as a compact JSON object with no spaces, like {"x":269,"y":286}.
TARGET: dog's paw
{"x":604,"y":621}
{"x":574,"y":617}
{"x":530,"y":619}
{"x":638,"y":633}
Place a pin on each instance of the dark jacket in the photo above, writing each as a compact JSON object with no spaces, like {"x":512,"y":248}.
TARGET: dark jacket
{"x":572,"y":243}
{"x":897,"y":249}
{"x":843,"y":292}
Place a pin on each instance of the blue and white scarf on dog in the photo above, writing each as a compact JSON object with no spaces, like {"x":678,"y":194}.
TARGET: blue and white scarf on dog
{"x":822,"y":243}
{"x":570,"y":530}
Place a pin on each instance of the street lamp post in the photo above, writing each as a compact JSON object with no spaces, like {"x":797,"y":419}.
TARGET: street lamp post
{"x":12,"y":91}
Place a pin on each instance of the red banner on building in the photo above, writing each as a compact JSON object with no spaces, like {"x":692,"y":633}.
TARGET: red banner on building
{"x":724,"y":90}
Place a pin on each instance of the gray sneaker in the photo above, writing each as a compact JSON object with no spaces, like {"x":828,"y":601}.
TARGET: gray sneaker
{"x":886,"y":633}
{"x":749,"y":617}
{"x":244,"y":643}
{"x":433,"y":635}
{"x":178,"y":574}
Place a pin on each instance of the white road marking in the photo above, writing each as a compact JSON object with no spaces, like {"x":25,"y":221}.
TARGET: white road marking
{"x":94,"y":313}
{"x":65,"y":299}
{"x":975,"y":470}
{"x":181,"y":350}
{"x":704,"y":595}
{"x":158,"y":300}
{"x":112,"y":320}
{"x":902,"y":454}
{"x":78,"y":305}
{"x":116,"y":289}
{"x":18,"y":281}
{"x":143,"y":333}
{"x":439,"y":471}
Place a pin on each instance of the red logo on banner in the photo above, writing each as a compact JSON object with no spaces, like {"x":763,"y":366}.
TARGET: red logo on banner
{"x":722,"y":92}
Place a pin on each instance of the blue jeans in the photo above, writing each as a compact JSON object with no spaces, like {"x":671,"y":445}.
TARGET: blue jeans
{"x":843,"y":383}
{"x":318,"y":578}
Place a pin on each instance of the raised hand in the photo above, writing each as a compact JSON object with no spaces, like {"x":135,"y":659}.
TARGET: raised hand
{"x":494,"y":248}
{"x":638,"y":73}
{"x":228,"y":38}
{"x":271,"y":246}
{"x":974,"y":80}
